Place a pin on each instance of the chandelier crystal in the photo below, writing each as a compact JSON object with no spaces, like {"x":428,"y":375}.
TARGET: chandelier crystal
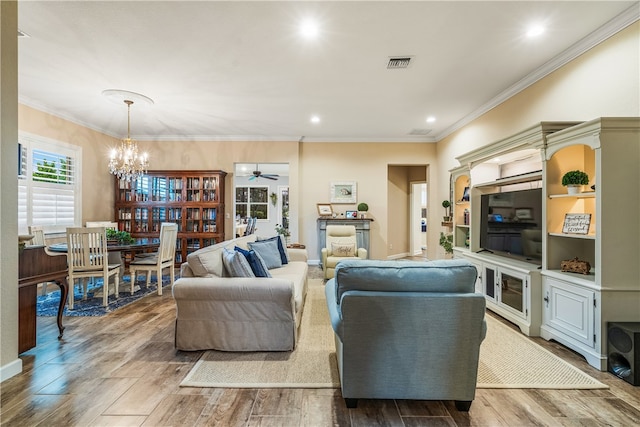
{"x":125,"y":161}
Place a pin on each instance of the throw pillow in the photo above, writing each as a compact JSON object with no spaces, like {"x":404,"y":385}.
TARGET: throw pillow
{"x":256,"y":262}
{"x":282,"y":247}
{"x":236,"y":264}
{"x":268,"y":251}
{"x":343,"y":249}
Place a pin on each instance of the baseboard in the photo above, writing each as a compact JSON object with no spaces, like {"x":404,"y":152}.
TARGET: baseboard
{"x":10,"y":369}
{"x":313,"y":262}
{"x":398,"y":256}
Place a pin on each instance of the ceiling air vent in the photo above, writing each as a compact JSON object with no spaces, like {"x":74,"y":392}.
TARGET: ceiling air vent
{"x":398,"y":62}
{"x":420,"y":132}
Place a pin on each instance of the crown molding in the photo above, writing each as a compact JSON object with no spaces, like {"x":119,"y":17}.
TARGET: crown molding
{"x":617,"y":24}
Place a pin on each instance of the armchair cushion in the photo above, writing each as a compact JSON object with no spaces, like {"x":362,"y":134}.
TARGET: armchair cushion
{"x":268,"y":251}
{"x":450,"y":276}
{"x":343,"y":249}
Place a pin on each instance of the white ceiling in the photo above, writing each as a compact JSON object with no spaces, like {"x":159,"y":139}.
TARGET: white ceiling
{"x":239,"y":70}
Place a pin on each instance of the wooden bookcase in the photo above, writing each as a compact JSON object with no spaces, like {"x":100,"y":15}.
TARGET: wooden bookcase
{"x":192,"y":199}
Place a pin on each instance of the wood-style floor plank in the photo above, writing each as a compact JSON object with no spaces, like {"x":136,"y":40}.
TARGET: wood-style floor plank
{"x":122,"y":370}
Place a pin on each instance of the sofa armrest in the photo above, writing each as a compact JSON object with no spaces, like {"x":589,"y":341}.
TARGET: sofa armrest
{"x":297,"y":254}
{"x":185,"y":270}
{"x":335,"y":315}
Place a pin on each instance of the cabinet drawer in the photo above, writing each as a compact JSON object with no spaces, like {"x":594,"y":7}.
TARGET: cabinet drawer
{"x":569,"y":309}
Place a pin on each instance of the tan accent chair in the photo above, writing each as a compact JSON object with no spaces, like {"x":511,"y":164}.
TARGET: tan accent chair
{"x":87,"y":257}
{"x":164,"y":258}
{"x":339,"y":242}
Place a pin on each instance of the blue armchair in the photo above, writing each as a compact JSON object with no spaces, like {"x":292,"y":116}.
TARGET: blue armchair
{"x":407,"y":330}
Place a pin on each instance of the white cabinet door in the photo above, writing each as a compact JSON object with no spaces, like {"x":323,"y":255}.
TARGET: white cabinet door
{"x":569,"y":309}
{"x":513,"y":290}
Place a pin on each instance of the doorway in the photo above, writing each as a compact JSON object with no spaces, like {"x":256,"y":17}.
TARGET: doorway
{"x":418,"y":219}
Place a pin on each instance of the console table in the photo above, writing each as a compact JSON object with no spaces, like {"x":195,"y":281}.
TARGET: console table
{"x":363,"y":225}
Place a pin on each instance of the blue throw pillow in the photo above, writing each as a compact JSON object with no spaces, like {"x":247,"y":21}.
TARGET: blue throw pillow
{"x":256,"y":262}
{"x":268,"y":251}
{"x":236,"y":264}
{"x":282,"y":247}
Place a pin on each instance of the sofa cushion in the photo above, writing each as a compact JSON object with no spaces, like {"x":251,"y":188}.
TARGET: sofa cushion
{"x":282,"y":247}
{"x":236,"y":264}
{"x":450,"y":276}
{"x":256,"y":262}
{"x":207,"y":262}
{"x":268,"y":250}
{"x":343,"y":249}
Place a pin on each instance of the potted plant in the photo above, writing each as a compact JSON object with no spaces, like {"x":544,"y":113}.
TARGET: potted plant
{"x":363,"y":208}
{"x":446,"y":205}
{"x":284,"y":231}
{"x":446,"y":241}
{"x":574,"y":180}
{"x":121,"y":237}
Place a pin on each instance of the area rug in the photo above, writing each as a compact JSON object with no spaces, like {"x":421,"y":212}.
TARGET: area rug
{"x":47,"y":305}
{"x":508,"y":359}
{"x":311,"y":365}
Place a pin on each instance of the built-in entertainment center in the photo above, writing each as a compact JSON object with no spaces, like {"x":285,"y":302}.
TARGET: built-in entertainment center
{"x":510,"y":215}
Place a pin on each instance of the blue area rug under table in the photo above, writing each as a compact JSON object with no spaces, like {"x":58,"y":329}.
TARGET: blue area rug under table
{"x":47,"y":305}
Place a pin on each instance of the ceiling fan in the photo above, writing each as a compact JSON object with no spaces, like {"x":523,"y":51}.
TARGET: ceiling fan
{"x":258,"y":174}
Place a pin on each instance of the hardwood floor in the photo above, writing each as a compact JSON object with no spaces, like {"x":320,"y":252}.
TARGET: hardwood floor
{"x":122,"y":370}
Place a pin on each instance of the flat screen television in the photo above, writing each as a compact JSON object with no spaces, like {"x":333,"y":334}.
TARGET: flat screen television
{"x":511,"y":224}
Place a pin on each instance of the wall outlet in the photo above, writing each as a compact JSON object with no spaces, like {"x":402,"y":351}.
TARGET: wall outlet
{"x":390,"y":245}
{"x":227,"y":215}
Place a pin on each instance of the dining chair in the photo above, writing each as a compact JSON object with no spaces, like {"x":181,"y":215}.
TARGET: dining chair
{"x":164,"y":258}
{"x":87,"y":257}
{"x":115,"y":257}
{"x":37,"y":231}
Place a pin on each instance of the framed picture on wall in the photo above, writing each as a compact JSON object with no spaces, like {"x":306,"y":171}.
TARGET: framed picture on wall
{"x":343,"y":192}
{"x":324,"y":209}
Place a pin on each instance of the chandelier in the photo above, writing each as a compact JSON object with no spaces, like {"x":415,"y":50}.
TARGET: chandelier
{"x":125,"y":161}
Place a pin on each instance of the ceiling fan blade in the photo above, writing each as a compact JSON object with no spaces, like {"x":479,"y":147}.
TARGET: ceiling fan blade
{"x":251,"y":178}
{"x":271,"y":177}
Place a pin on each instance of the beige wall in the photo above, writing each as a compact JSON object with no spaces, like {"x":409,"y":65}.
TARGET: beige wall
{"x":367,"y":164}
{"x":9,"y":363}
{"x":602,"y":82}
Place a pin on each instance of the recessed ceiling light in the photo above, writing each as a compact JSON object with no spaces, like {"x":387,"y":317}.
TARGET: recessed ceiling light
{"x":309,"y":29}
{"x":535,"y":31}
{"x":315,"y":119}
{"x":431,"y":119}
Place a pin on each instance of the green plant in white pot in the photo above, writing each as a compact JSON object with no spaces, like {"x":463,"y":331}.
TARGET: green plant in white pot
{"x":574,"y":180}
{"x":363,"y":208}
{"x":446,"y":205}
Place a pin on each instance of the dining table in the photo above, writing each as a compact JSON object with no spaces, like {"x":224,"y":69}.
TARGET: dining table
{"x":118,"y":249}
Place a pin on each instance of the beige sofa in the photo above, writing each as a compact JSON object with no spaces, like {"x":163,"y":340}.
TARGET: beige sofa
{"x":214,"y":311}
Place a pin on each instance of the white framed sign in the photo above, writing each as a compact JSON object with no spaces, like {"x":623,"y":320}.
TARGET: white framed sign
{"x":576,"y":223}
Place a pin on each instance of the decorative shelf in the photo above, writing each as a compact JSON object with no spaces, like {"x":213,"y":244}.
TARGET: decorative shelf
{"x":447,"y":223}
{"x":575,"y":236}
{"x":585,"y":195}
{"x":525,"y":177}
{"x":462,"y":225}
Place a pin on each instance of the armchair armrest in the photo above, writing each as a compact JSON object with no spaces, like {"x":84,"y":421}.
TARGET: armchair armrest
{"x":296,"y":254}
{"x":362,"y":253}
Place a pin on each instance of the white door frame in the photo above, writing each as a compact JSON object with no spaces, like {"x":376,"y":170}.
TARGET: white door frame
{"x":415,"y":217}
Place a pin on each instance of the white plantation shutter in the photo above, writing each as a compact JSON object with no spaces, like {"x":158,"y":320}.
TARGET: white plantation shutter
{"x":48,"y":185}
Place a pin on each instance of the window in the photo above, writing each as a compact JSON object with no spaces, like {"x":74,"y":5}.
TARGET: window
{"x":49,"y":192}
{"x":252,"y":202}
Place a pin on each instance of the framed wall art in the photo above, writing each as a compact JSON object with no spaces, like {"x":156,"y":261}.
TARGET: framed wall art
{"x":343,"y":192}
{"x":324,"y":209}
